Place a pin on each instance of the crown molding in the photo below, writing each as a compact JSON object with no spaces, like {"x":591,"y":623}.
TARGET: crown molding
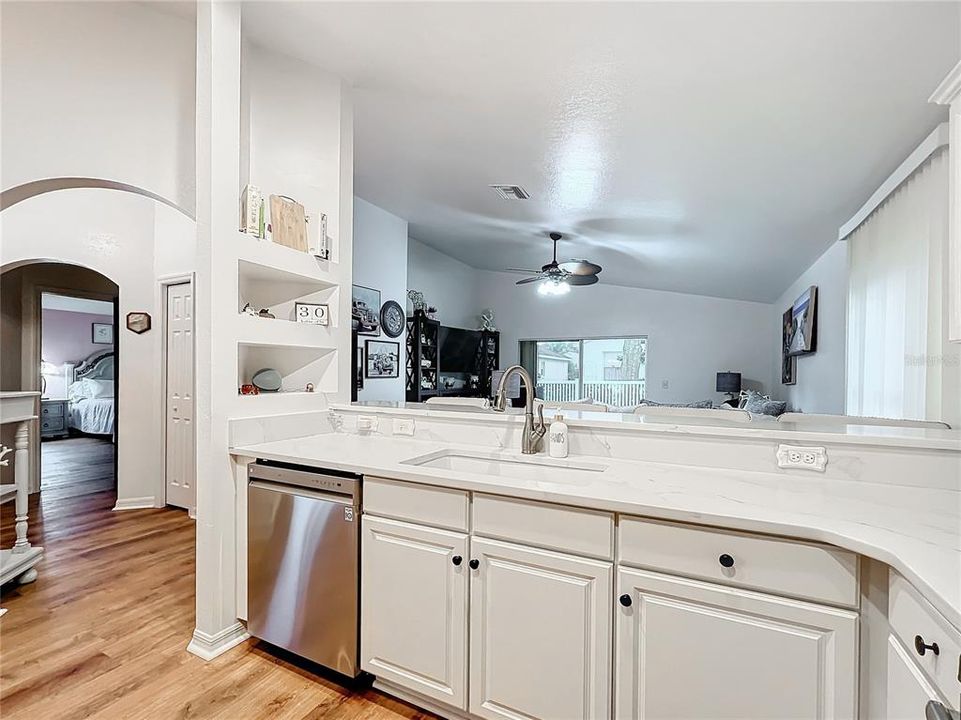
{"x":949,"y":89}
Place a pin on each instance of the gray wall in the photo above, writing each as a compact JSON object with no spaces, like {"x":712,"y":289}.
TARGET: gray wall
{"x":820,"y":376}
{"x":380,"y":262}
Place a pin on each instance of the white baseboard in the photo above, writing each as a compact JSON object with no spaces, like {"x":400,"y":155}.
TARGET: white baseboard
{"x":208,"y":647}
{"x":137,"y":503}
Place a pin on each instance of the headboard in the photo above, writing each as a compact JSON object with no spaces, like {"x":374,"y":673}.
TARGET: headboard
{"x":97,"y":366}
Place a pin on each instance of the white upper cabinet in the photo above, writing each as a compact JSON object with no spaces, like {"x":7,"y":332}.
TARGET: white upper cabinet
{"x":689,"y":649}
{"x":540,"y":634}
{"x":414,"y":608}
{"x":949,"y":93}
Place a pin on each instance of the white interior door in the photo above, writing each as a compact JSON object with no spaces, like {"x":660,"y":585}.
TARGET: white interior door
{"x":179,"y":410}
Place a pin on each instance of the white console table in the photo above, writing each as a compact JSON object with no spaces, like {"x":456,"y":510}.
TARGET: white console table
{"x":18,"y":562}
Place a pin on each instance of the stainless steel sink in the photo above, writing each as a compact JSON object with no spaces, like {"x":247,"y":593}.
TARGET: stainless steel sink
{"x":493,"y":464}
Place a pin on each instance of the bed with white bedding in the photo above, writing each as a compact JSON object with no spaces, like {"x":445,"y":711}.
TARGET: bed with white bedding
{"x":91,"y":403}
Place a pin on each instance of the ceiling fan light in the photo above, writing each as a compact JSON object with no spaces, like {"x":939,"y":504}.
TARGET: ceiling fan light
{"x":553,"y":287}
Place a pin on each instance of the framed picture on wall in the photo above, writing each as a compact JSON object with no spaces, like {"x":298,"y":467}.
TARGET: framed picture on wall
{"x":101,"y":333}
{"x":382,"y":359}
{"x":804,"y":323}
{"x":788,"y":361}
{"x":365,"y":310}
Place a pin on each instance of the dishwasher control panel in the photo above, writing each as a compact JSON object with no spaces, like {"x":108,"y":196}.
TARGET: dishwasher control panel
{"x":313,"y":478}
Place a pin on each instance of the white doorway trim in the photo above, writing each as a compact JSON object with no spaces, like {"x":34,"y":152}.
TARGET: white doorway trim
{"x":163,"y":285}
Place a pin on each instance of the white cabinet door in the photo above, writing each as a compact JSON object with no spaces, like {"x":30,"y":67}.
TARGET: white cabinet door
{"x":414,"y":608}
{"x":690,"y":649}
{"x":540,"y":634}
{"x":908,"y":689}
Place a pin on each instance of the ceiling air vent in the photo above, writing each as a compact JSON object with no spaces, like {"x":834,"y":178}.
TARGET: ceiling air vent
{"x":511,"y":192}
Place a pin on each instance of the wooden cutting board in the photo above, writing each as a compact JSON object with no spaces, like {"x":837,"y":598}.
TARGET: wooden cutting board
{"x":288,"y":222}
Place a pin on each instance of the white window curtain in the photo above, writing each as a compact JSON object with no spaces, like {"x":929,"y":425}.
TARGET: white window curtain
{"x":895,"y":329}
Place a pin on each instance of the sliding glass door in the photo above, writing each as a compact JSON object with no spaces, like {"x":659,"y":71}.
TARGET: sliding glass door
{"x":605,"y":370}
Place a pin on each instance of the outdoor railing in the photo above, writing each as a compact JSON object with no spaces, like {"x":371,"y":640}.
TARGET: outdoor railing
{"x":611,"y":392}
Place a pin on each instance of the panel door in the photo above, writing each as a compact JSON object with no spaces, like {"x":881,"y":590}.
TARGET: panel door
{"x":179,"y":453}
{"x":909,"y":691}
{"x":540,"y":634}
{"x":690,"y":649}
{"x":414,"y":608}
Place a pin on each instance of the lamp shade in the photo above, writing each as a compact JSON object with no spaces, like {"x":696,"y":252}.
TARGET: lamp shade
{"x":728,"y":382}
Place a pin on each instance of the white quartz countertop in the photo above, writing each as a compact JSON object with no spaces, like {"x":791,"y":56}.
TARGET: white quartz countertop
{"x":917,"y":531}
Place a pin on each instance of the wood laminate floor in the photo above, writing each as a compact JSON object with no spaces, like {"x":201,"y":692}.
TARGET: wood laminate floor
{"x":102,"y":632}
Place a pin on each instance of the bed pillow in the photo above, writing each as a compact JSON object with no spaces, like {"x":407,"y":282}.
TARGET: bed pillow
{"x":100,"y":388}
{"x":87,"y":388}
{"x":755,"y":402}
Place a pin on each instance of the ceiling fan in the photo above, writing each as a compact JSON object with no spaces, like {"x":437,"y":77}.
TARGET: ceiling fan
{"x":557,"y":278}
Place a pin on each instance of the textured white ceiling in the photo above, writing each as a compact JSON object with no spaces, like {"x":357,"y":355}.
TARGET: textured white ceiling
{"x":706,"y":148}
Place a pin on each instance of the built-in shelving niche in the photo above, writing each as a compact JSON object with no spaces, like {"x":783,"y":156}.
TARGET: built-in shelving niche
{"x":278,"y":290}
{"x":296,"y":365}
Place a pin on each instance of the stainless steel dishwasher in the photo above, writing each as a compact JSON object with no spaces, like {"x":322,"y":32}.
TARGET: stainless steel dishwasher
{"x":303,"y":556}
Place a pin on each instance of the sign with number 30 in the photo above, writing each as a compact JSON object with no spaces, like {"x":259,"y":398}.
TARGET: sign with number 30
{"x":312,"y":313}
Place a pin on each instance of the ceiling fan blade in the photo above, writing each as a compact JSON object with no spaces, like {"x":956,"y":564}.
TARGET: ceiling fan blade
{"x":529,"y":280}
{"x":523,"y":270}
{"x":581,"y":279}
{"x":580,"y":267}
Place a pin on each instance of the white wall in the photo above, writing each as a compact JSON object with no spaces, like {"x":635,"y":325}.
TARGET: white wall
{"x":380,"y":262}
{"x":820,"y":376}
{"x":115,"y":233}
{"x":101,"y":90}
{"x":691,"y":337}
{"x":290,"y":113}
{"x":448,"y":284}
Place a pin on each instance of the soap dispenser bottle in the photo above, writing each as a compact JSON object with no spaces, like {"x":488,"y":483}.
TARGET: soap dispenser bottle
{"x":557,"y":445}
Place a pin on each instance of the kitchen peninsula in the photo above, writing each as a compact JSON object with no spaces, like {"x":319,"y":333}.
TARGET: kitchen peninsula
{"x":651,"y":540}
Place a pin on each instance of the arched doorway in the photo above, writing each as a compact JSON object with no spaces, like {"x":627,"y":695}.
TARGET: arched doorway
{"x":59,"y":333}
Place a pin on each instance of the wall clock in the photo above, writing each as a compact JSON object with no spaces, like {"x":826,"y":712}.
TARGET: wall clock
{"x":393,"y":320}
{"x":138,"y":322}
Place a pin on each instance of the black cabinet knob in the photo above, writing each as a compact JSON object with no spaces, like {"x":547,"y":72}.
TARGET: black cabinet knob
{"x":922,"y":648}
{"x":625,"y":600}
{"x":726,"y":560}
{"x":457,"y":559}
{"x":474,"y":564}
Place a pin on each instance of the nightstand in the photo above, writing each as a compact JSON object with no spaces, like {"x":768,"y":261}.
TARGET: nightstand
{"x":53,"y":418}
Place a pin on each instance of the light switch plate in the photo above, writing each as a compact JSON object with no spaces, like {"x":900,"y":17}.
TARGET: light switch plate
{"x":802,"y":456}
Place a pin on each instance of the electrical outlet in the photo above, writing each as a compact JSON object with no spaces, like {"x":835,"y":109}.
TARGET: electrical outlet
{"x":804,"y":458}
{"x":404,"y":426}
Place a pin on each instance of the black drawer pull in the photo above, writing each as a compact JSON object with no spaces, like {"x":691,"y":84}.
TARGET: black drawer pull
{"x":726,"y":561}
{"x":474,"y":564}
{"x":922,"y":648}
{"x":457,"y":559}
{"x":625,"y":600}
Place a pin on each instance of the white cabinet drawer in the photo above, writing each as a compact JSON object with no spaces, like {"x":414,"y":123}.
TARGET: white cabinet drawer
{"x":912,"y":617}
{"x":783,"y":567}
{"x":439,"y":507}
{"x":555,"y":527}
